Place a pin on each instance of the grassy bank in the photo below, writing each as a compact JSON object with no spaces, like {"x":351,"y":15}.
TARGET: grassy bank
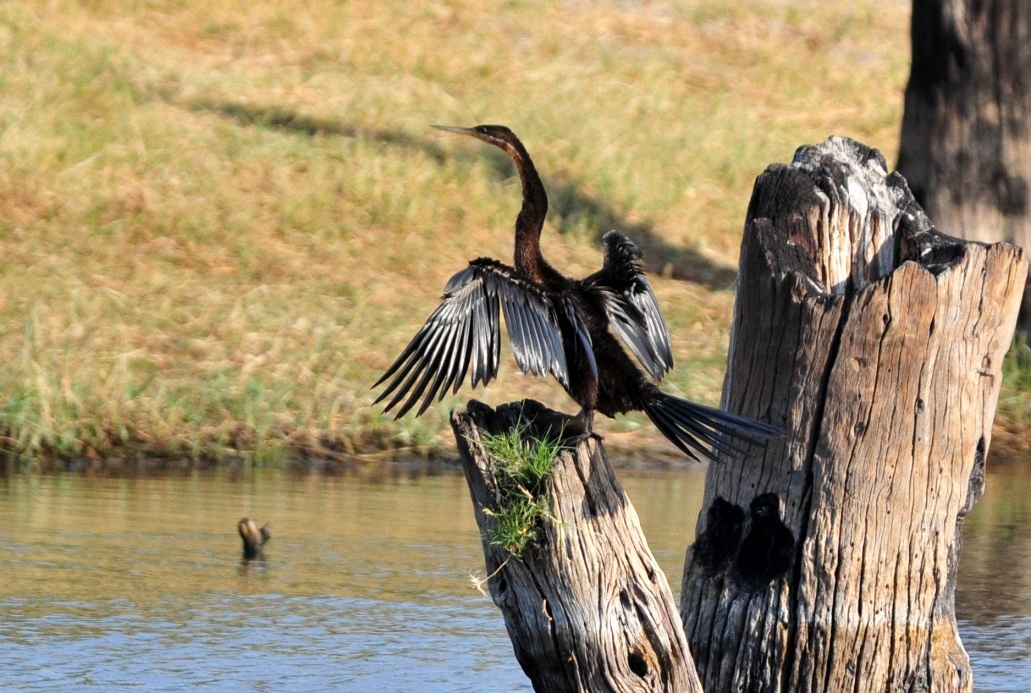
{"x":218,"y":224}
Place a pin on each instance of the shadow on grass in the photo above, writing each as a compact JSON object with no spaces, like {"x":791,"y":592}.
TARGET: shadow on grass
{"x":570,"y":205}
{"x":277,"y":118}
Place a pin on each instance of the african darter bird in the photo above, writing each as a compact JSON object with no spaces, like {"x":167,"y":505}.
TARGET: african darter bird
{"x":557,"y":325}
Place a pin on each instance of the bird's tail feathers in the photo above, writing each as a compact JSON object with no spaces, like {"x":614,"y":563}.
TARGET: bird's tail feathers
{"x":701,"y":431}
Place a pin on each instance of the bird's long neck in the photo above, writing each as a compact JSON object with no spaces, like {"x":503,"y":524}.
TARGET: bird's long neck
{"x":528,"y":257}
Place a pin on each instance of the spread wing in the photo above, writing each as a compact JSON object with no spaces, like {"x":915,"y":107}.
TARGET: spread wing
{"x":631,"y":306}
{"x":464,"y":334}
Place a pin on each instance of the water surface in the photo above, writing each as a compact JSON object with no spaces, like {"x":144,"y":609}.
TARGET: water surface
{"x":367,"y":583}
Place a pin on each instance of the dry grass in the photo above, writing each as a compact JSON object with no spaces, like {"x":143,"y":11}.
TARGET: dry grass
{"x":220,"y":222}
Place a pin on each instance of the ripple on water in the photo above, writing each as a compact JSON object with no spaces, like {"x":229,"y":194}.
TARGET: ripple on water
{"x":254,"y":642}
{"x":999,"y":653}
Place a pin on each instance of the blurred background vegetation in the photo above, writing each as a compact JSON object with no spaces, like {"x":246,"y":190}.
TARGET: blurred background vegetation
{"x":220,"y":222}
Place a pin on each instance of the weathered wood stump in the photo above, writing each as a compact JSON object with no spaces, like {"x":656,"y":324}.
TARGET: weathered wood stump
{"x":876,"y":343}
{"x":587,"y":606}
{"x":254,"y":539}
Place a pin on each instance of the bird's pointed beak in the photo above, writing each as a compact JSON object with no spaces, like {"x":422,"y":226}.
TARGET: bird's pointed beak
{"x":471,"y":132}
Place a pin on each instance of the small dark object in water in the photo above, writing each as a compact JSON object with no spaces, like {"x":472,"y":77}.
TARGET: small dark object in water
{"x":253,"y":538}
{"x":768,"y":549}
{"x":559,"y":326}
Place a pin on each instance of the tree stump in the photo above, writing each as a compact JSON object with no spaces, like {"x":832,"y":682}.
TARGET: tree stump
{"x":876,"y":343}
{"x":587,"y":606}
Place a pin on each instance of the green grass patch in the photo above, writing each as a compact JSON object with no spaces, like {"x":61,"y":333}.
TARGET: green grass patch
{"x":522,"y":465}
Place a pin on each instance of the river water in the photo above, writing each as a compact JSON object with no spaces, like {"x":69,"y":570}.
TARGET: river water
{"x":367,"y":584}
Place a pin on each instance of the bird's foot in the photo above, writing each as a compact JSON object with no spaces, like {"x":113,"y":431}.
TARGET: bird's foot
{"x":580,"y":427}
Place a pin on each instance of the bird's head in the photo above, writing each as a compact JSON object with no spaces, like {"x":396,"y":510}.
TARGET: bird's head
{"x":498,"y":135}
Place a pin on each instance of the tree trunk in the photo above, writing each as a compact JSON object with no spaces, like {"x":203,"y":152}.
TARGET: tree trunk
{"x":966,"y":132}
{"x":876,"y":343}
{"x":587,"y":606}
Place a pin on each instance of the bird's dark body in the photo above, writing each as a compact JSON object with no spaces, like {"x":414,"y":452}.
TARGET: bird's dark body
{"x":583,"y":387}
{"x":560,"y":326}
{"x":621,"y":387}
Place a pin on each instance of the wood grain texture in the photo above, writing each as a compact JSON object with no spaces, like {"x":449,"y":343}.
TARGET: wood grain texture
{"x":587,"y":607}
{"x":876,"y":344}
